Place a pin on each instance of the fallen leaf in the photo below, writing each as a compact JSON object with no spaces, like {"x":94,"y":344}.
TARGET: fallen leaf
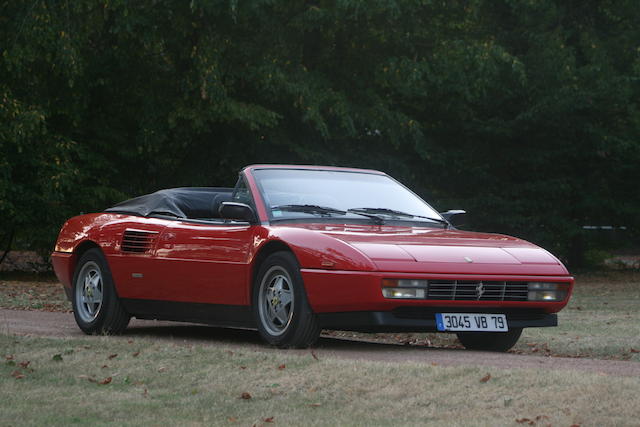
{"x":485,"y":378}
{"x":57,"y":357}
{"x":162,"y":369}
{"x":245,"y":395}
{"x":136,"y":354}
{"x":313,"y":353}
{"x":243,"y":367}
{"x":9,"y":357}
{"x":105,"y":381}
{"x":112,"y":356}
{"x":314,"y":405}
{"x":268,"y":420}
{"x":281,"y":367}
{"x":633,"y":350}
{"x":233,"y":419}
{"x":130,"y":341}
{"x":104,"y":366}
{"x":575,"y":425}
{"x":524,"y":421}
{"x":434,"y":364}
{"x":146,"y":393}
{"x":17,"y":375}
{"x":24,"y":364}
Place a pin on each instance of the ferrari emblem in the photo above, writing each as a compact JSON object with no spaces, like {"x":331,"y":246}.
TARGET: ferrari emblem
{"x":479,"y":291}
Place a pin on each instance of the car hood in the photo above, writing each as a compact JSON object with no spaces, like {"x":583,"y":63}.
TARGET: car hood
{"x":431,"y":250}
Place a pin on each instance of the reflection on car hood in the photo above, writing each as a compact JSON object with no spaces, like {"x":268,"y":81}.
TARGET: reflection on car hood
{"x":425,"y":249}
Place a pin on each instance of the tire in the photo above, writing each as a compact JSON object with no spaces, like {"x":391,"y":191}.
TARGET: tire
{"x":280,"y":305}
{"x":96,"y":306}
{"x":490,"y":341}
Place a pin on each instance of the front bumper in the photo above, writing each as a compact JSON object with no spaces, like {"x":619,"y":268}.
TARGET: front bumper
{"x":422,"y":319}
{"x":335,"y":291}
{"x":62,"y":265}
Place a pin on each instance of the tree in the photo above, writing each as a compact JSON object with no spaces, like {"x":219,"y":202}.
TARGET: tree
{"x":522,"y":112}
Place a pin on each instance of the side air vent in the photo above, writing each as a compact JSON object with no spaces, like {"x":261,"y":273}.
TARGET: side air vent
{"x":137,"y":241}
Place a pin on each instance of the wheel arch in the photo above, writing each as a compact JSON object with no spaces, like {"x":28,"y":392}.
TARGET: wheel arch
{"x":263,"y":253}
{"x":78,"y":251}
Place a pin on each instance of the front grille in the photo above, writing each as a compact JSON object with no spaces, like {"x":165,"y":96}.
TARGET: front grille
{"x":137,"y":241}
{"x":472,"y":290}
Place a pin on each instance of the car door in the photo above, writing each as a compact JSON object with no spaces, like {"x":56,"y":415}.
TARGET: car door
{"x":204,"y":262}
{"x":131,"y":255}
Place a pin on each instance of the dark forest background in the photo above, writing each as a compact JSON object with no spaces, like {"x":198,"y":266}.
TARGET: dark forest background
{"x":524,"y":113}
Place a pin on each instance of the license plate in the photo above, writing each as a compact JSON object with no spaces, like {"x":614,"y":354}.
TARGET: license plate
{"x":471,"y":322}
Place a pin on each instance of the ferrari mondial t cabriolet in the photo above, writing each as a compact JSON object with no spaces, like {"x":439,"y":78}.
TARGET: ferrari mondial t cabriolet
{"x":292,"y":250}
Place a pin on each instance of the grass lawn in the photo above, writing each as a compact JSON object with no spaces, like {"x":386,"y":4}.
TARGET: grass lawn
{"x":102,"y":380}
{"x":123,"y":381}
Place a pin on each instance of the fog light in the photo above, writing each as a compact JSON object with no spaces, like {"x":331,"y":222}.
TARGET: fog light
{"x":543,"y":291}
{"x":414,"y":293}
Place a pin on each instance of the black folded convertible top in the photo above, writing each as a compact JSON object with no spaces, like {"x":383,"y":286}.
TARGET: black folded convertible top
{"x":185,"y":202}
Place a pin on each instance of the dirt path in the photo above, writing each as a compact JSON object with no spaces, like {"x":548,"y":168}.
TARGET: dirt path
{"x":52,"y":324}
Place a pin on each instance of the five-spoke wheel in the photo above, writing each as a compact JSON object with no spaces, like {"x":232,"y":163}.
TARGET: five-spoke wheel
{"x":276,"y":300}
{"x":280,"y":304}
{"x":89,"y":291}
{"x":96,"y":307}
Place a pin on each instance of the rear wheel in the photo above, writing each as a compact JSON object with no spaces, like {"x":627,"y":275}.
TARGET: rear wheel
{"x":96,"y":307}
{"x":490,"y":341}
{"x":280,"y":305}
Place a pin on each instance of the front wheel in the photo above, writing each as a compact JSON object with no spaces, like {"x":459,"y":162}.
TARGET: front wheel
{"x":490,"y":341}
{"x":280,"y":304}
{"x":96,"y":307}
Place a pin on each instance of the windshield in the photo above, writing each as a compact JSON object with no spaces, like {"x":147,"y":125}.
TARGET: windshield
{"x":303,"y":193}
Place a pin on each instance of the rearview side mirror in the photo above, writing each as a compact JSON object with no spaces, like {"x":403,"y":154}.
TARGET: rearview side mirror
{"x":237,"y":211}
{"x":456,"y":217}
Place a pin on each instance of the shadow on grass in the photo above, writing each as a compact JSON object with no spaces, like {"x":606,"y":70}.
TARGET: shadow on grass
{"x":212,"y":335}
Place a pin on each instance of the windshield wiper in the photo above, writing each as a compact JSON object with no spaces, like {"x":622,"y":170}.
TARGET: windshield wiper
{"x":392,"y":212}
{"x":324,"y":211}
{"x":311,"y":209}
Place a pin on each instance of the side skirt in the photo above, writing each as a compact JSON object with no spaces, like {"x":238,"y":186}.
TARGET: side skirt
{"x":211,"y":314}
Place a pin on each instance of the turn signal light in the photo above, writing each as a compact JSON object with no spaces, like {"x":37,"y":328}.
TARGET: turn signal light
{"x":405,"y":288}
{"x":403,"y":293}
{"x":543,"y":291}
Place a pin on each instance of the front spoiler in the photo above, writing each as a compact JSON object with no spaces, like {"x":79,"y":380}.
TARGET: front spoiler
{"x":420,"y":321}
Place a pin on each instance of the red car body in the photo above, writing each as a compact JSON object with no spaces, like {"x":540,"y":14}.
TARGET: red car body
{"x":204,"y":271}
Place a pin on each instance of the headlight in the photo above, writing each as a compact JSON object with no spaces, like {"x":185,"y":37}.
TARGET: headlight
{"x":404,"y":288}
{"x":543,"y":291}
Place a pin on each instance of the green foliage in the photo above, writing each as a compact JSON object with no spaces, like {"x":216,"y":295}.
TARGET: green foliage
{"x":524,"y":113}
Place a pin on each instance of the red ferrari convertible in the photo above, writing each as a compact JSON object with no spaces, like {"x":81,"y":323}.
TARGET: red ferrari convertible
{"x":292,"y":250}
